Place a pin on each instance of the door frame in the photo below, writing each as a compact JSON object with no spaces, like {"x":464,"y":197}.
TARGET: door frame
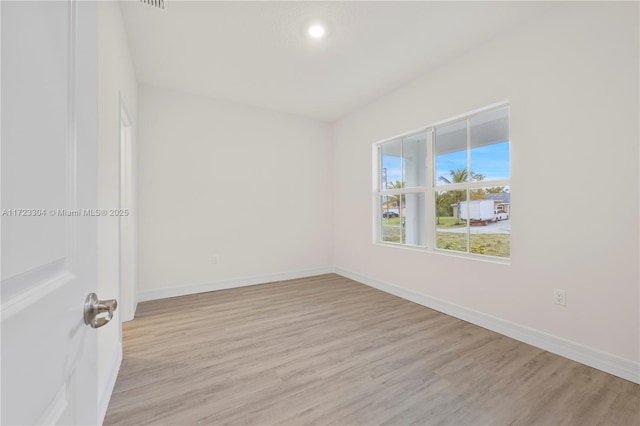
{"x":127,"y":225}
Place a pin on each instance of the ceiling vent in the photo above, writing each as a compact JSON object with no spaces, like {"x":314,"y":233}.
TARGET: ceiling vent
{"x":156,"y":3}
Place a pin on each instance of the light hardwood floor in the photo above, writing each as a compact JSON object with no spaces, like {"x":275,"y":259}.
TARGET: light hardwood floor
{"x":327,"y":350}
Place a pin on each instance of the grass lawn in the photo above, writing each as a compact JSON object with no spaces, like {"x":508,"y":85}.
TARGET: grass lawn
{"x":392,"y":221}
{"x":448,"y":222}
{"x":490,"y":244}
{"x":391,"y":230}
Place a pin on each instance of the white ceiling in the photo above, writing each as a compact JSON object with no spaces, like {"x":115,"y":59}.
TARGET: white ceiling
{"x":257,"y":53}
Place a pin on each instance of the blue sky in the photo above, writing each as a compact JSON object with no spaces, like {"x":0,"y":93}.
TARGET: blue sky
{"x":490,"y":160}
{"x":392,"y":164}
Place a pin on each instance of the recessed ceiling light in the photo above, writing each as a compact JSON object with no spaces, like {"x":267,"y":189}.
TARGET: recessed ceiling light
{"x":316,"y":31}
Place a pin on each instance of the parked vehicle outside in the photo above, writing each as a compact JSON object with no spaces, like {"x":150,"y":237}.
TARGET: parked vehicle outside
{"x":478,"y":211}
{"x":502,"y":212}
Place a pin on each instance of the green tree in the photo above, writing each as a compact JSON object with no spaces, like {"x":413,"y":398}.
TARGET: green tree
{"x":444,"y":200}
{"x":497,"y":190}
{"x":395,"y":201}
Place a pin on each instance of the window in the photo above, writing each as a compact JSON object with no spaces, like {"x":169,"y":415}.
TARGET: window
{"x":402,"y":185}
{"x":447,"y":188}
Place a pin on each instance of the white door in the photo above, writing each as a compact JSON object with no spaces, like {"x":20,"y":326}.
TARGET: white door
{"x":49,"y":175}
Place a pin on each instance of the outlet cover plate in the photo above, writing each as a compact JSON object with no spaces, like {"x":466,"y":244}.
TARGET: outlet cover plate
{"x":559,"y":297}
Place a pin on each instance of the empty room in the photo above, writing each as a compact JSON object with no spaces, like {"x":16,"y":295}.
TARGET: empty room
{"x":320,"y":212}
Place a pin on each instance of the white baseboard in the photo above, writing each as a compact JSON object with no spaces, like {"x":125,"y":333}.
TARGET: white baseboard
{"x":227,"y":284}
{"x":604,"y":361}
{"x":103,"y":404}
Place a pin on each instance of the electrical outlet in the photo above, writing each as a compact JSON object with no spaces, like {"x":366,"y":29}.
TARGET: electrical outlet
{"x":214,"y":259}
{"x":559,"y":297}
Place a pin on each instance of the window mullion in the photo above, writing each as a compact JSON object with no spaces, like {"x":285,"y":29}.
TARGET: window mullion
{"x":468,"y":221}
{"x":453,"y":186}
{"x":487,"y":183}
{"x":430,"y":202}
{"x":402,"y":167}
{"x":413,"y":189}
{"x":473,"y":185}
{"x":468,"y":150}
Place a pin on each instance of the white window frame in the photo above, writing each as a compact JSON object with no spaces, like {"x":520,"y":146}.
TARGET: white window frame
{"x":380,"y":192}
{"x":432,"y":187}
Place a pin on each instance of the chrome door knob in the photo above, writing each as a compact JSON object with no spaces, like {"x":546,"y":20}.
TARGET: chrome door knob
{"x":98,"y":312}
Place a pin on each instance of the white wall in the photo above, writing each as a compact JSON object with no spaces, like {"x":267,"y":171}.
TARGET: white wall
{"x":250,"y":186}
{"x":572,"y":78}
{"x":116,"y":78}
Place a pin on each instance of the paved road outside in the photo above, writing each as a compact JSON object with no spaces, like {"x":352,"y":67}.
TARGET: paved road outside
{"x":502,"y":227}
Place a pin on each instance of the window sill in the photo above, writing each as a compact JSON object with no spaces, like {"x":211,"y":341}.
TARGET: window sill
{"x":448,"y":253}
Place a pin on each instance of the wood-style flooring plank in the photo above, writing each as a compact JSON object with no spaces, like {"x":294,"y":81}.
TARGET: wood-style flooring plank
{"x":329,"y":351}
